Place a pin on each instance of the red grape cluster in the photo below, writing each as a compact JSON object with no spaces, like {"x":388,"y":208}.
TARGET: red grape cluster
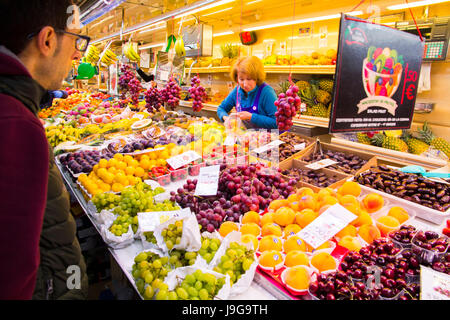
{"x":288,"y":104}
{"x":171,"y":93}
{"x":240,"y":189}
{"x":198,"y":94}
{"x":128,"y":83}
{"x":154,"y":99}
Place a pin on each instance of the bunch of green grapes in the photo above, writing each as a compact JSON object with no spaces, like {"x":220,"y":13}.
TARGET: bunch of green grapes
{"x":209,"y":248}
{"x":172,"y":234}
{"x":166,"y":205}
{"x":134,"y":200}
{"x":150,"y":237}
{"x":121,"y":224}
{"x":182,"y":258}
{"x":235,"y":262}
{"x":106,"y":200}
{"x":149,"y":270}
{"x":195,"y":286}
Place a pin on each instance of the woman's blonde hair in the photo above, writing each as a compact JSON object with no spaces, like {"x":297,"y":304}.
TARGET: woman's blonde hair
{"x":251,"y":66}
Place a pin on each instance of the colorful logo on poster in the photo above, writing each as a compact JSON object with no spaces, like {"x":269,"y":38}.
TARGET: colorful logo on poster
{"x":381,"y":74}
{"x":355,"y":35}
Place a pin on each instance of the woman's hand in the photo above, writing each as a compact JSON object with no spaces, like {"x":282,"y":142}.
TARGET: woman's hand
{"x":244,"y":115}
{"x":224,"y":118}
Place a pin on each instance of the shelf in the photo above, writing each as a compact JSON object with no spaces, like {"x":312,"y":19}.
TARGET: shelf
{"x":329,"y":69}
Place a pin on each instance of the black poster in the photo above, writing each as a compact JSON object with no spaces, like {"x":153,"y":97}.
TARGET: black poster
{"x":377,"y":73}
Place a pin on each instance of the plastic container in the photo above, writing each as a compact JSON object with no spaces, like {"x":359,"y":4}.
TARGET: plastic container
{"x":400,"y":244}
{"x":294,"y":290}
{"x":179,"y":174}
{"x":163,"y":180}
{"x":194,"y":169}
{"x":426,"y":256}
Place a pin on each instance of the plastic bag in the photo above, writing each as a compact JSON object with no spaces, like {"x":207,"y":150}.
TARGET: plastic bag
{"x":233,"y":124}
{"x":116,"y":242}
{"x":200,"y":261}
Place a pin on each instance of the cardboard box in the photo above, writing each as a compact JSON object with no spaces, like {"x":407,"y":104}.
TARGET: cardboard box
{"x":294,"y":163}
{"x":371,"y":160}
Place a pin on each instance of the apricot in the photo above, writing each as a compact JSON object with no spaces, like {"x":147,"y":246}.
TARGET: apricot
{"x":351,"y":243}
{"x":305,"y":217}
{"x":284,"y":216}
{"x":348,"y":199}
{"x":323,"y":209}
{"x":369,"y":233}
{"x":323,"y":261}
{"x":267,"y":218}
{"x":276,"y":204}
{"x":271,"y":228}
{"x":297,"y":278}
{"x":328,"y":200}
{"x":304,"y":191}
{"x":323,"y":193}
{"x":349,"y":230}
{"x":296,"y":258}
{"x":270,"y":242}
{"x":294,"y":243}
{"x":399,"y":213}
{"x":271,"y":259}
{"x":373,"y":202}
{"x":250,"y":238}
{"x":250,"y":228}
{"x":363,"y":218}
{"x":325,"y":245}
{"x":387,"y":224}
{"x":350,"y":187}
{"x":307,"y":202}
{"x":227,"y":227}
{"x":251,"y":216}
{"x":353,"y":208}
{"x":291,"y":230}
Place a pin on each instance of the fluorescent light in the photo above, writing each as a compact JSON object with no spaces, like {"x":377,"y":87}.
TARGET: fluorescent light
{"x":252,"y":2}
{"x":151,"y":46}
{"x":415,"y":4}
{"x":101,"y":21}
{"x":152,"y":29}
{"x":216,"y":4}
{"x":209,"y":14}
{"x":223,"y":33}
{"x":306,"y":20}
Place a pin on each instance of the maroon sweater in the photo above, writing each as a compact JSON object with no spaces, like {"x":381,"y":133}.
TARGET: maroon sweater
{"x":24,"y":159}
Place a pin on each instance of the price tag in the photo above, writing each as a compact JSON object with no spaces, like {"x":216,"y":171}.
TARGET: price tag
{"x":208,"y":181}
{"x":434,"y":285}
{"x":148,"y":221}
{"x":268,"y":146}
{"x":300,"y":146}
{"x":321,"y":164}
{"x":330,"y":222}
{"x":164,"y":75}
{"x":183,"y":159}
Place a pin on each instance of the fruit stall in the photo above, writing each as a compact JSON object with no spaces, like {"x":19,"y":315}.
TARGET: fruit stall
{"x":192,"y":208}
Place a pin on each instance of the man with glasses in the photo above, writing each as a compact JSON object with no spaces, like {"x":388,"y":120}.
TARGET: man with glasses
{"x":39,"y":252}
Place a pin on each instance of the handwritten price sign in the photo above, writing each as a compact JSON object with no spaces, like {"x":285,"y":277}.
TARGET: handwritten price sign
{"x":409,"y":86}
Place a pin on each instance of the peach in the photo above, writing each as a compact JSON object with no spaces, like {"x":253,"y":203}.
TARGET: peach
{"x":297,"y":278}
{"x":251,"y":216}
{"x":348,"y":199}
{"x":227,"y":227}
{"x":369,"y":233}
{"x":284,"y":216}
{"x":399,"y":213}
{"x":250,"y":238}
{"x":303,"y":191}
{"x":323,"y":261}
{"x":305,"y":217}
{"x":294,"y":243}
{"x":270,"y":258}
{"x":271,"y":229}
{"x":250,"y":228}
{"x":350,"y":187}
{"x":351,"y":243}
{"x":270,"y":242}
{"x":307,"y":202}
{"x":267,"y":218}
{"x":328,"y":200}
{"x":349,"y":230}
{"x":373,"y":202}
{"x":363,"y":218}
{"x":296,"y":258}
{"x":276,"y":204}
{"x":291,"y":230}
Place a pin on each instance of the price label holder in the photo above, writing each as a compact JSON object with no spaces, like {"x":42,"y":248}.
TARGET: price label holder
{"x":321,"y":164}
{"x":208,"y":181}
{"x":330,"y":222}
{"x":300,"y":146}
{"x":434,"y":285}
{"x":268,"y":146}
{"x":148,"y":221}
{"x":183,"y":159}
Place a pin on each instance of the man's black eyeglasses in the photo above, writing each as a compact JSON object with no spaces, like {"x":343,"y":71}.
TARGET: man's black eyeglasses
{"x":81,"y":44}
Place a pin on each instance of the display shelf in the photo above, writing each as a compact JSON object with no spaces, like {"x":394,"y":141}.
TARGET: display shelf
{"x":303,"y":69}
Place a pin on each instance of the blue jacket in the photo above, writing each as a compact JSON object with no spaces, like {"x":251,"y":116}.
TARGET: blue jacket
{"x":266,"y":108}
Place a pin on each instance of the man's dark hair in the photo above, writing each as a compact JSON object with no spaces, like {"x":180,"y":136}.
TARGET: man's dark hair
{"x":20,"y":18}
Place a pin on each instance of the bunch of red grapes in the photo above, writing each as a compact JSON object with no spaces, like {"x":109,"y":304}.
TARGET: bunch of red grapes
{"x":288,"y":104}
{"x":171,"y":93}
{"x":128,"y":83}
{"x":240,"y":189}
{"x":198,"y":94}
{"x":154,"y":99}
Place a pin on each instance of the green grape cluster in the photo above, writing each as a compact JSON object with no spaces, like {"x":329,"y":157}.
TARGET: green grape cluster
{"x":209,"y":248}
{"x":235,"y":262}
{"x":121,"y":224}
{"x":150,"y":237}
{"x":166,"y":205}
{"x":195,"y":286}
{"x":181,"y":258}
{"x":134,"y":200}
{"x":106,"y":200}
{"x":172,"y":234}
{"x":149,"y":270}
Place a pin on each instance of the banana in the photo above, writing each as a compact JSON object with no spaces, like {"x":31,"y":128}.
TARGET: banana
{"x":179,"y":47}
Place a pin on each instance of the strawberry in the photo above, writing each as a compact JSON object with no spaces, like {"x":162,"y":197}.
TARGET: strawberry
{"x":446,"y":231}
{"x":448,"y":223}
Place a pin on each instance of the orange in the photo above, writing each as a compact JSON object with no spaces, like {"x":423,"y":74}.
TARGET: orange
{"x":227,"y":227}
{"x":373,"y":202}
{"x":305,"y":217}
{"x":129,"y":170}
{"x":127,"y":158}
{"x":399,"y":213}
{"x":139,"y":172}
{"x":349,"y":230}
{"x":323,"y":261}
{"x":294,"y":243}
{"x":112,"y":162}
{"x":276,"y":204}
{"x":351,"y":243}
{"x":267,"y":218}
{"x":108,"y":178}
{"x":296,"y":258}
{"x":297,"y":278}
{"x":284,"y":216}
{"x":271,"y":228}
{"x":387,"y":224}
{"x":102,"y":172}
{"x":251,"y":216}
{"x":250,"y":238}
{"x":250,"y":228}
{"x":134,"y":163}
{"x":270,"y":242}
{"x":112,"y":170}
{"x":118,"y":157}
{"x":291,"y":230}
{"x":350,"y":187}
{"x":364,"y":218}
{"x":121,"y":165}
{"x":369,"y":233}
{"x":270,"y":258}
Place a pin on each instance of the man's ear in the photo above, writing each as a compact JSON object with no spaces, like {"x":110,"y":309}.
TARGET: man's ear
{"x":46,"y":41}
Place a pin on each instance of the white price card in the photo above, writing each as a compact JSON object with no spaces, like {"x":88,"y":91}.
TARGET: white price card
{"x":164,"y":75}
{"x":148,"y":221}
{"x":268,"y":146}
{"x":330,"y":222}
{"x":300,"y":146}
{"x":434,"y":285}
{"x":183,"y":159}
{"x":208,"y":181}
{"x":321,"y":164}
{"x":230,"y":140}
